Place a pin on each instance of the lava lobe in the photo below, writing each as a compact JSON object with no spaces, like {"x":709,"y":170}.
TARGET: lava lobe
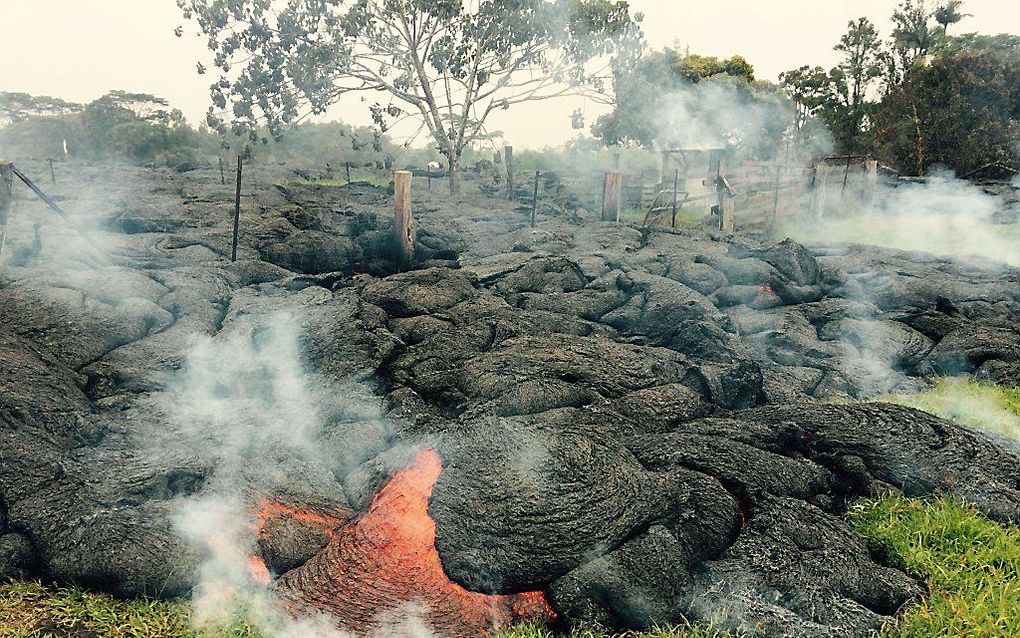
{"x":386,"y":560}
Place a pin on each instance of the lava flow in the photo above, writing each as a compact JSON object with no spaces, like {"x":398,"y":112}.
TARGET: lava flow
{"x":386,"y":560}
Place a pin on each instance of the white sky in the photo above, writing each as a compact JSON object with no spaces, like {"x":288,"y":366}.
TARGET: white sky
{"x":79,"y":49}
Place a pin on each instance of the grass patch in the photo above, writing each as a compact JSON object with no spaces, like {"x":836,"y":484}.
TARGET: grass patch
{"x":530,"y":631}
{"x":971,"y":565}
{"x":334,"y":182}
{"x":685,"y":219}
{"x":30,"y":610}
{"x":976,"y":405}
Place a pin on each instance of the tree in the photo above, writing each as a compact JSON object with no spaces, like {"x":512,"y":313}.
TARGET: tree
{"x":840,"y":96}
{"x":810,"y":88}
{"x":18,"y":107}
{"x":856,"y":74}
{"x":695,"y":68}
{"x":449,"y":64}
{"x":962,"y":111}
{"x":948,"y":14}
{"x":913,"y":35}
{"x":133,"y":125}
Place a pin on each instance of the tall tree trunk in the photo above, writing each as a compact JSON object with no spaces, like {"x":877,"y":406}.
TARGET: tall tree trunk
{"x":454,"y":173}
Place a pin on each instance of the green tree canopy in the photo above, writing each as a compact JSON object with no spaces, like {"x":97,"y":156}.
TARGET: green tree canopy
{"x":948,"y":14}
{"x":447,"y":64}
{"x":839,"y":97}
{"x":18,"y":107}
{"x":961,"y":111}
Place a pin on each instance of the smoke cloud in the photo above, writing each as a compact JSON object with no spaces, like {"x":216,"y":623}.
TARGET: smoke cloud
{"x":942,"y":215}
{"x":716,"y":114}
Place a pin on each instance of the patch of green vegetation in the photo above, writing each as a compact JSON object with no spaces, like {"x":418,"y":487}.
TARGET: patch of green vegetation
{"x":971,"y":565}
{"x":976,"y":405}
{"x":328,"y":182}
{"x":633,"y":214}
{"x":533,"y":631}
{"x":684,"y":219}
{"x":30,"y":610}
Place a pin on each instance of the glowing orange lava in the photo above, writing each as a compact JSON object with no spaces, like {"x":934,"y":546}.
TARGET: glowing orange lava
{"x":258,"y":571}
{"x":386,"y":559}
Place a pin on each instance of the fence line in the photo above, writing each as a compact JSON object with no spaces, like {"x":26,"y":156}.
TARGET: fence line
{"x":748,"y":196}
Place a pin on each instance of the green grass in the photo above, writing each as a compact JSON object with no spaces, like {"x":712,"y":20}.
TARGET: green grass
{"x":684,"y":219}
{"x":976,"y":405}
{"x":30,"y":610}
{"x":971,"y":566}
{"x":541,"y":632}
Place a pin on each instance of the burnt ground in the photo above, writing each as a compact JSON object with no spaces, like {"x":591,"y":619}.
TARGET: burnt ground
{"x":629,"y":420}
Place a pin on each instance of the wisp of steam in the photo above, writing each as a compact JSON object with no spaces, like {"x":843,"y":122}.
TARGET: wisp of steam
{"x":247,"y":396}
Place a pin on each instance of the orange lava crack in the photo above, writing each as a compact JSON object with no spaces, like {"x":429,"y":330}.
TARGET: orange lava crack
{"x":385,"y":560}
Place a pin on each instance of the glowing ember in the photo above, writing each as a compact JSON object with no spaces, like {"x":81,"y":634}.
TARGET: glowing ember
{"x":386,"y":559}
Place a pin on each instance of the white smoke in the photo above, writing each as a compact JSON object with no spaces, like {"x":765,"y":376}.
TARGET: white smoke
{"x":245,"y":397}
{"x":942,"y":215}
{"x":247,"y":391}
{"x":712,"y":114}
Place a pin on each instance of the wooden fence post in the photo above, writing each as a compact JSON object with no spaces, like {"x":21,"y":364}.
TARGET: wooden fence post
{"x":821,"y":190}
{"x":871,"y":183}
{"x":6,"y":196}
{"x":223,"y":173}
{"x":676,"y":194}
{"x":726,"y":218}
{"x":846,"y":175}
{"x":775,"y":197}
{"x":348,"y":173}
{"x":403,"y":218}
{"x":508,"y":159}
{"x":612,"y":197}
{"x":6,"y":190}
{"x":534,"y":201}
{"x":53,"y":175}
{"x":237,"y":208}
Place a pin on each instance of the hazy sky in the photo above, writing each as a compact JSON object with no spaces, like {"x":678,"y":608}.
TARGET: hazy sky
{"x":79,"y":49}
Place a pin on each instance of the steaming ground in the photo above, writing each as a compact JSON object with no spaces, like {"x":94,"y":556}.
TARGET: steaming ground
{"x":628,"y":419}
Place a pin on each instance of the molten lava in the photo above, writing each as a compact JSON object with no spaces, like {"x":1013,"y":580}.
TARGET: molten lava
{"x":386,"y":560}
{"x":258,"y":571}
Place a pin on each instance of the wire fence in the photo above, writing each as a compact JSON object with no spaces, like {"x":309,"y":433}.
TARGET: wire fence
{"x":751,"y":195}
